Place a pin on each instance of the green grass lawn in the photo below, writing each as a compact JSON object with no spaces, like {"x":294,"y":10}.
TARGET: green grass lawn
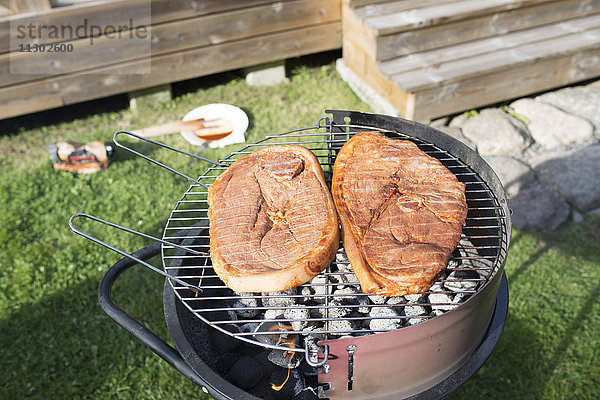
{"x":55,"y":341}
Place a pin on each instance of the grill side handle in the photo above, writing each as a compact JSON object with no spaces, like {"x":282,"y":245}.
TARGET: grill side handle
{"x":154,"y":142}
{"x":133,"y":326}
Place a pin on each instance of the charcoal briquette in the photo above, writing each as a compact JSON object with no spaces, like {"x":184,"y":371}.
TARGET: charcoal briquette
{"x":246,"y":372}
{"x":225,"y":361}
{"x":223,"y":342}
{"x":306,"y":394}
{"x":287,"y":391}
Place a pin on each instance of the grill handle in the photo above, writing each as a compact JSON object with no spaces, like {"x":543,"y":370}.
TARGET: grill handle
{"x":137,"y":153}
{"x":193,"y":288}
{"x":136,"y":328}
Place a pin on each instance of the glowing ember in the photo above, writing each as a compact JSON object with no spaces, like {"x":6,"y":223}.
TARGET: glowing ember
{"x":279,"y":387}
{"x":290,"y":343}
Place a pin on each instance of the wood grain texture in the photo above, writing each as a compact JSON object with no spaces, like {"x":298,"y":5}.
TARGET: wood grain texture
{"x":518,"y":81}
{"x":188,"y":39}
{"x":436,"y":57}
{"x":439,"y":58}
{"x":26,"y":6}
{"x":360,"y":3}
{"x":357,"y":32}
{"x":361,"y":64}
{"x":494,"y":24}
{"x":110,"y":80}
{"x":119,"y":12}
{"x":377,"y":9}
{"x":171,"y":37}
{"x":443,"y":13}
{"x":488,"y":62}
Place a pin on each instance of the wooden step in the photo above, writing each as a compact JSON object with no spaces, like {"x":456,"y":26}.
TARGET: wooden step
{"x":469,"y":75}
{"x":388,"y":30}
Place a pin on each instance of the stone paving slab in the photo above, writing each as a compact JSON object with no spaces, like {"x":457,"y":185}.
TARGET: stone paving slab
{"x":496,"y":132}
{"x":539,"y":208}
{"x":544,"y":149}
{"x":514,"y":174}
{"x":550,"y":126}
{"x":573,"y":174}
{"x":582,"y":101}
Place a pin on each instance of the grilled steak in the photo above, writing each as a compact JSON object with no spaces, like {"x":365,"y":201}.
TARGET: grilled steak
{"x":401,"y":212}
{"x":273,"y":224}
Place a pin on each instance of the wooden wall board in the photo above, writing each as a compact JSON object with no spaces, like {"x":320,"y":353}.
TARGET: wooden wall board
{"x":28,"y":98}
{"x":106,"y":81}
{"x":99,"y":13}
{"x":119,"y":12}
{"x":168,"y":10}
{"x":26,"y":6}
{"x":171,"y":37}
{"x":239,"y":24}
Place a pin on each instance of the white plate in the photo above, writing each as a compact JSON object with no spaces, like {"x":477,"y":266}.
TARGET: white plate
{"x":235,"y":115}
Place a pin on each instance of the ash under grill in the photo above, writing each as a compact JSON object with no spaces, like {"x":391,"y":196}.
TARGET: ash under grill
{"x":331,"y":305}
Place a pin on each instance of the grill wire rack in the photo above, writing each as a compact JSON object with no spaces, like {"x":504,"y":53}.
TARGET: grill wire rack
{"x":331,"y":305}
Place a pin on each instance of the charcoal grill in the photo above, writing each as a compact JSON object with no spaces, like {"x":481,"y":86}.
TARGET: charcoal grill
{"x":403,"y":354}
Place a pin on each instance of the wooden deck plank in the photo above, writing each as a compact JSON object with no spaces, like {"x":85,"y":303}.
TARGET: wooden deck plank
{"x":360,"y":3}
{"x":524,"y":80}
{"x":171,"y":37}
{"x":436,"y":57}
{"x":377,"y":9}
{"x":414,"y":41}
{"x":443,"y":13}
{"x":170,"y":67}
{"x":359,"y":62}
{"x":356,"y":32}
{"x":486,"y":63}
{"x":479,"y":90}
{"x":454,"y":57}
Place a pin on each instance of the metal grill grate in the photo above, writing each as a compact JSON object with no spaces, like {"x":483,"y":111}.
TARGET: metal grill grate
{"x":331,"y":305}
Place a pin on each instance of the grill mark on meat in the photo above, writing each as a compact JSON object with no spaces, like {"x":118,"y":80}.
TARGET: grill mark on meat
{"x":402,"y":212}
{"x":279,"y":215}
{"x":275,"y":217}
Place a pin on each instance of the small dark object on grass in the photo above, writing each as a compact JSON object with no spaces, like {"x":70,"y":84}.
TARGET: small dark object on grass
{"x":81,"y":158}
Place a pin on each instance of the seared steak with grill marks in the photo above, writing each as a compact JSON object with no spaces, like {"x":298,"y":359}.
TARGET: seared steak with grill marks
{"x":401,"y":212}
{"x":273,"y":224}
